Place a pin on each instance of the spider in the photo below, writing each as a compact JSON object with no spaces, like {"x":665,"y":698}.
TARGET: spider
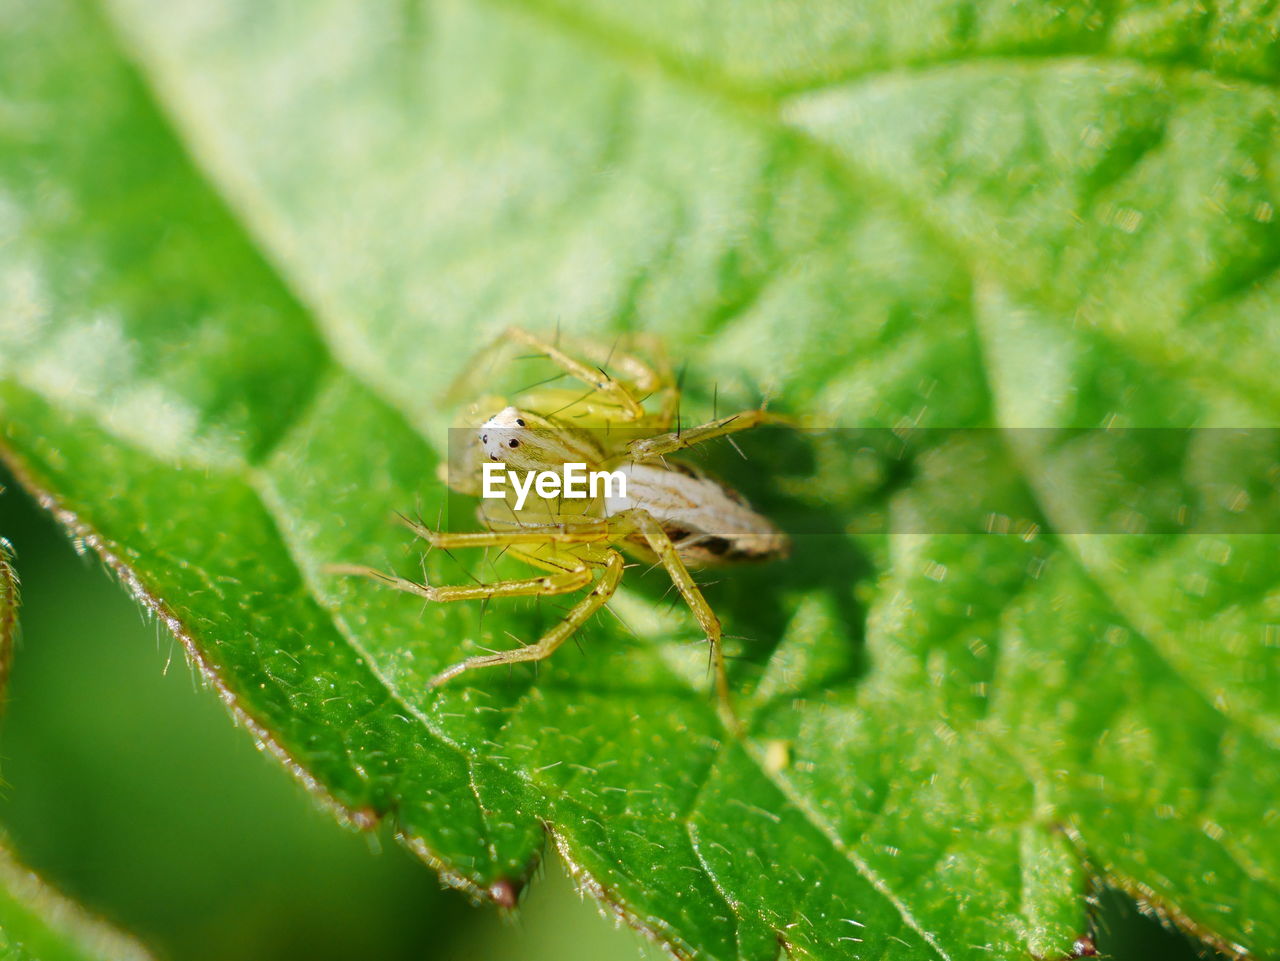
{"x":670,"y":514}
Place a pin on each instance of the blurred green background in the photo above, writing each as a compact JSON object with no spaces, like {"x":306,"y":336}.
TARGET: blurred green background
{"x":123,"y":781}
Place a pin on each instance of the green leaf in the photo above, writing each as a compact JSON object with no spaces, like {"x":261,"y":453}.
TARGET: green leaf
{"x":37,"y":924}
{"x":244,"y":249}
{"x":9,"y":603}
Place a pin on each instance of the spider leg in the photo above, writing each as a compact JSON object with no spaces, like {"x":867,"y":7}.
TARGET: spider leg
{"x":578,"y":615}
{"x":587,"y":531}
{"x":643,"y":523}
{"x":650,"y":448}
{"x":609,"y":399}
{"x":562,"y":582}
{"x":638,"y":373}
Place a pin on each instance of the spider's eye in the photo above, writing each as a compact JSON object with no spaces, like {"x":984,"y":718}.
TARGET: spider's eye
{"x":484,"y":438}
{"x":519,"y":422}
{"x":513,"y":443}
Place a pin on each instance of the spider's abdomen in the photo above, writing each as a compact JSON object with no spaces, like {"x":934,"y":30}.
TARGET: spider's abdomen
{"x":708,"y":523}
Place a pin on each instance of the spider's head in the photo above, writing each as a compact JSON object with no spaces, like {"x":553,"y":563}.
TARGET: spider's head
{"x":505,"y":437}
{"x":525,"y":441}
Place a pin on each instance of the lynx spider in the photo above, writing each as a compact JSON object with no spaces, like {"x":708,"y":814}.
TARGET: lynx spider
{"x":672,"y":515}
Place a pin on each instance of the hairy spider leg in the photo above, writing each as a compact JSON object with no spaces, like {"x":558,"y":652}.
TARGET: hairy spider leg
{"x":562,"y":582}
{"x":610,"y":399}
{"x":652,"y":448}
{"x":602,"y":531}
{"x":579,"y":614}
